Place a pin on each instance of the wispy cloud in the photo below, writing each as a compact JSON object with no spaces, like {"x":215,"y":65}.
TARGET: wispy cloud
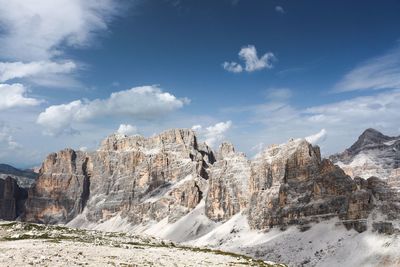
{"x":232,"y":67}
{"x":43,"y":73}
{"x":280,"y":9}
{"x":278,"y":120}
{"x":248,"y":54}
{"x":317,"y":137}
{"x":382,"y":72}
{"x":35,"y":35}
{"x":146,"y":102}
{"x":278,"y":94}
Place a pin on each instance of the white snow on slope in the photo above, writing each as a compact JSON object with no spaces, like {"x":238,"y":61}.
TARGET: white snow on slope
{"x":190,"y":227}
{"x":327,"y":243}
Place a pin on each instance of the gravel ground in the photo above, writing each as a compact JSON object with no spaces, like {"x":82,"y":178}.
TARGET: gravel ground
{"x":37,"y":245}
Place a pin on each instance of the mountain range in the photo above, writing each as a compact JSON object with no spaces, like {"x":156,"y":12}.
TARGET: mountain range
{"x":174,"y":187}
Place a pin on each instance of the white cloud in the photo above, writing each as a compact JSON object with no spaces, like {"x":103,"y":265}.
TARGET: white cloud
{"x":14,"y":95}
{"x":213,"y":134}
{"x":280,"y":10}
{"x":35,"y":34}
{"x":127,"y":129}
{"x":317,"y":137}
{"x":35,"y":30}
{"x":379,"y":73}
{"x":146,"y":102}
{"x":251,"y":61}
{"x":232,"y":67}
{"x":58,"y":119}
{"x":13,"y":70}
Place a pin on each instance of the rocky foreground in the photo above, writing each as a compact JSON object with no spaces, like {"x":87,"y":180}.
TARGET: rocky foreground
{"x":24,"y":244}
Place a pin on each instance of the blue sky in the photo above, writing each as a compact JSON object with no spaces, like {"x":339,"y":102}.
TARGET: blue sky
{"x":250,"y":72}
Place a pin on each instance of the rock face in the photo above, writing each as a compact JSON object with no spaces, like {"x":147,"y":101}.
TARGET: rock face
{"x":168,"y":175}
{"x":373,"y":154}
{"x":139,"y":178}
{"x":61,"y":190}
{"x":228,"y":184}
{"x":12,"y":199}
{"x":291,"y":185}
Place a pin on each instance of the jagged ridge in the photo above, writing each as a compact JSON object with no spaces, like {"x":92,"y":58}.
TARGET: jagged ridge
{"x":166,"y":176}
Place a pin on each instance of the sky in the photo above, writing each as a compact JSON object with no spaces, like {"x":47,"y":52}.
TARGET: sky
{"x":254,"y":72}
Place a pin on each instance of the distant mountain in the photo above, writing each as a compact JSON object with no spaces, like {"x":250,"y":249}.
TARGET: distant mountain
{"x":24,"y":178}
{"x":373,"y":154}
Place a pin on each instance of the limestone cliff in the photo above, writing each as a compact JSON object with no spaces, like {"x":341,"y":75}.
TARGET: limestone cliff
{"x":228,"y":184}
{"x":139,"y":178}
{"x":292,"y":185}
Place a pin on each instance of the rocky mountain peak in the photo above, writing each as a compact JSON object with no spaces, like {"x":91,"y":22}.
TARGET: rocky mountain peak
{"x":369,"y":138}
{"x":373,"y":154}
{"x":225,"y":150}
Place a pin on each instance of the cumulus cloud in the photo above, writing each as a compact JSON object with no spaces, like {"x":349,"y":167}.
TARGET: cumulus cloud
{"x":280,"y":10}
{"x":252,"y":62}
{"x":35,"y":30}
{"x":127,"y":129}
{"x":382,"y":72}
{"x":213,"y":134}
{"x":146,"y":102}
{"x":317,"y":137}
{"x":15,"y":95}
